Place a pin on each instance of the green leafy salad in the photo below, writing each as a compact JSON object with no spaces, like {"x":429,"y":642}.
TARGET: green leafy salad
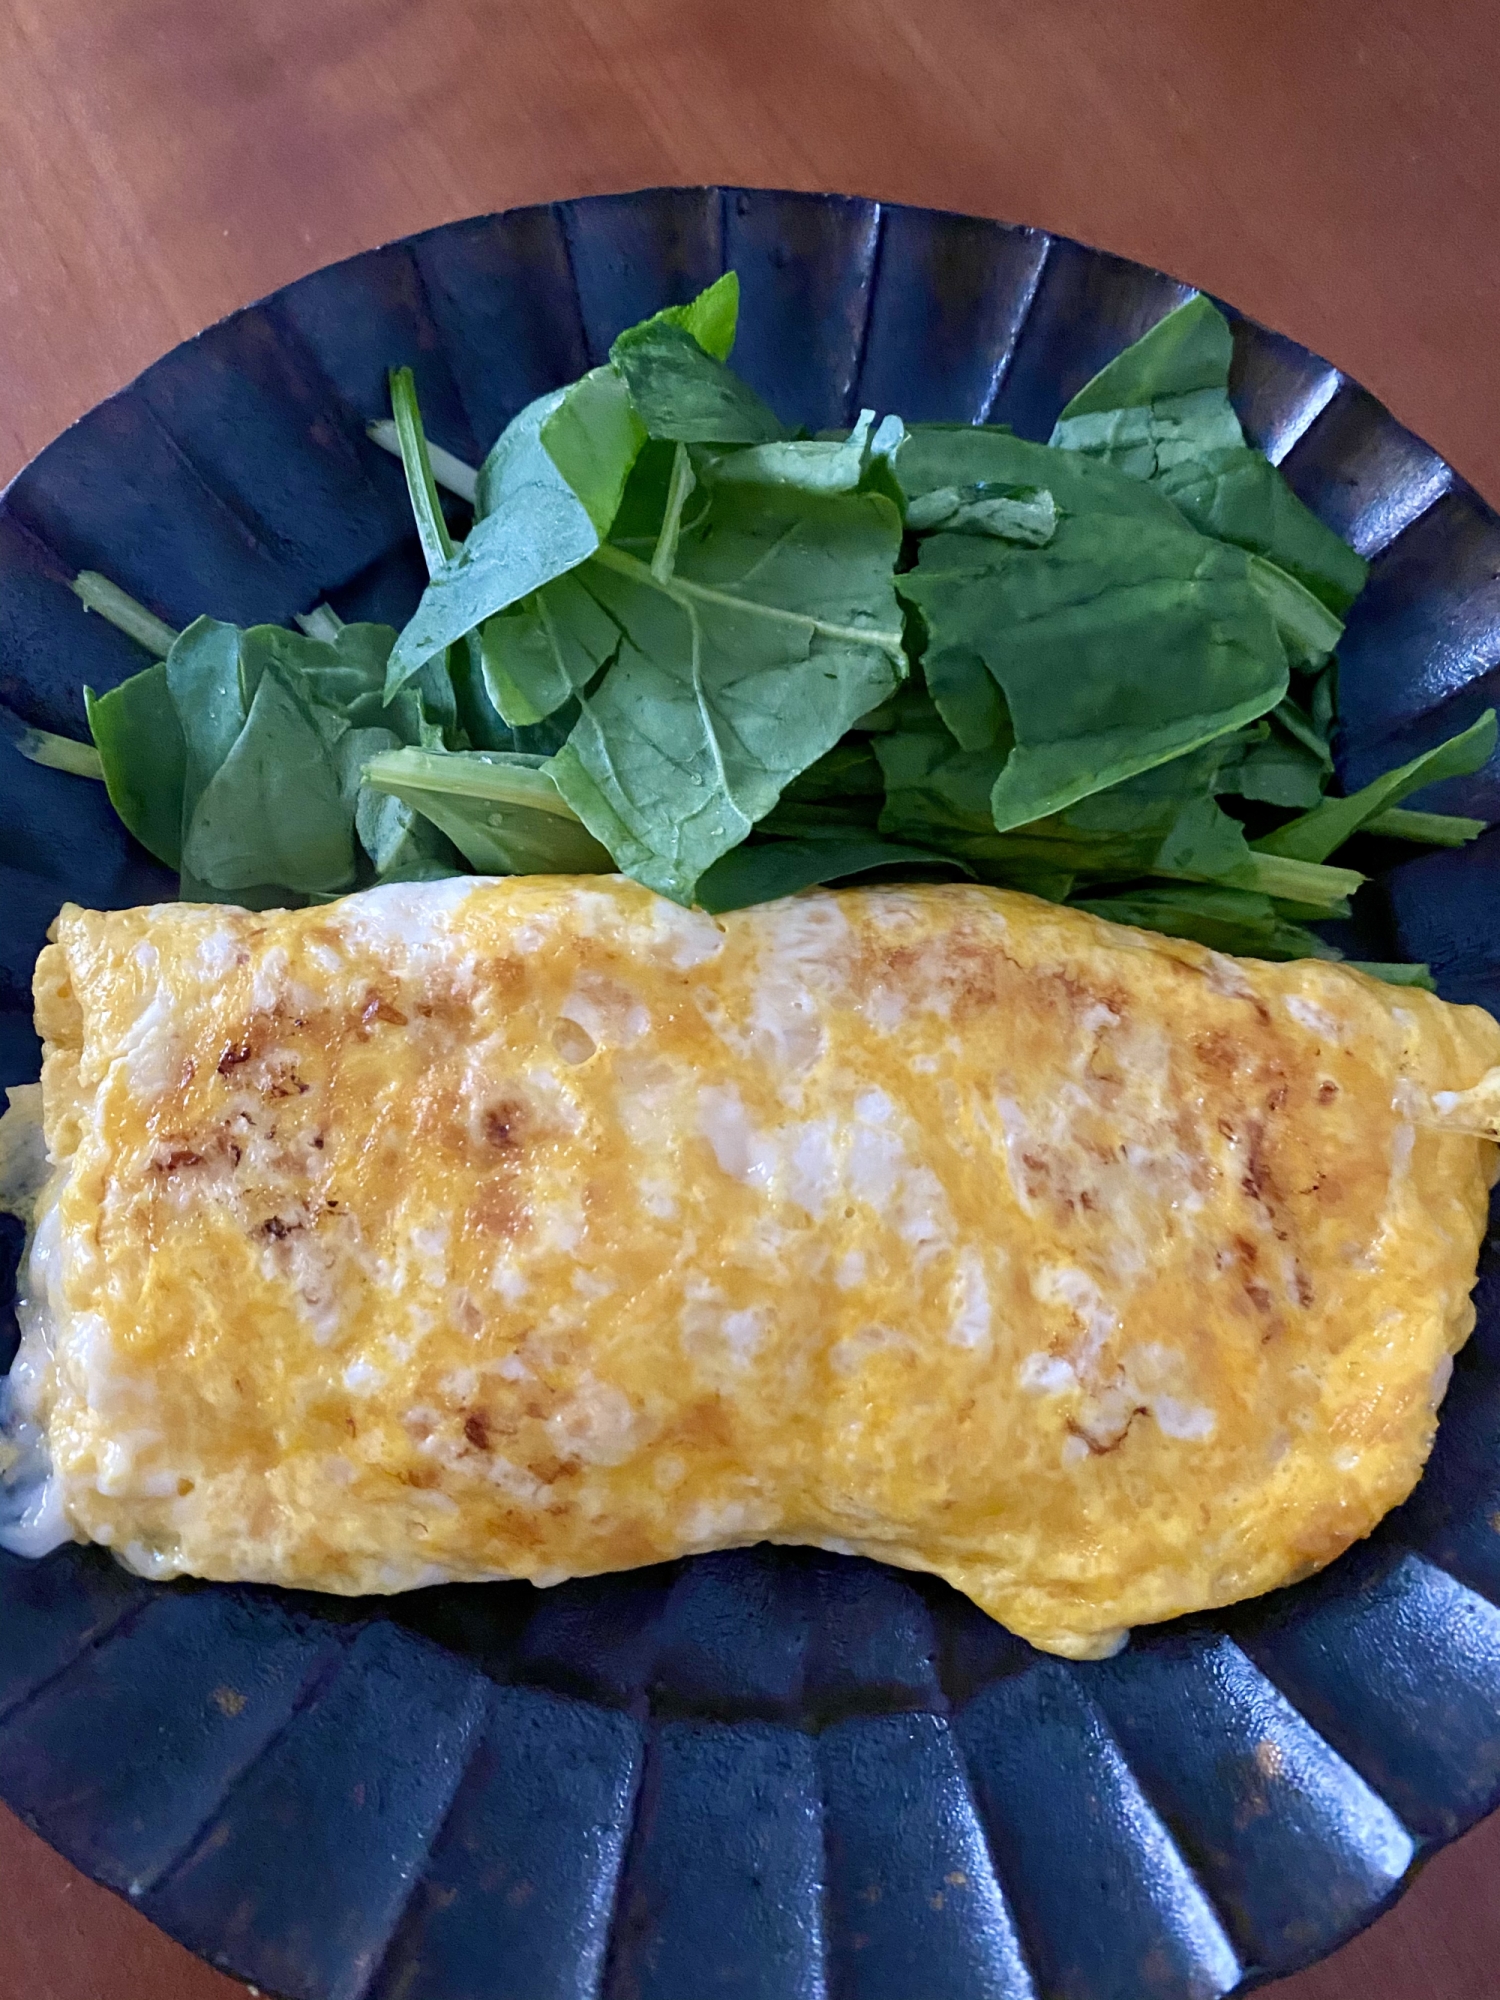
{"x":682,"y":642}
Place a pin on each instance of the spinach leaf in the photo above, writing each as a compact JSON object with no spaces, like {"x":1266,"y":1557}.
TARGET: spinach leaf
{"x":1285,"y":759}
{"x":643,"y":505}
{"x":337,"y":687}
{"x":1237,"y":495}
{"x":936,"y":457}
{"x":938,"y":798}
{"x":1149,"y":438}
{"x":274,"y":811}
{"x":761,"y":870}
{"x":238,"y":757}
{"x":1163,"y":821}
{"x":1011,"y":513}
{"x":712,"y":318}
{"x":1161,"y":411}
{"x":968,"y":698}
{"x":1309,"y":891}
{"x":1230,"y":920}
{"x":681,"y":392}
{"x":503,"y":813}
{"x":1273,"y":762}
{"x":593,"y":437}
{"x":1311,"y":723}
{"x":849,"y":771}
{"x":1187,"y":352}
{"x":1322,"y":702}
{"x":532,"y":527}
{"x":398,"y":843}
{"x":1164,"y":400}
{"x":189,"y":730}
{"x":842,"y":793}
{"x":552,"y":485}
{"x":1318,"y":833}
{"x":1307,"y":628}
{"x":343,"y":677}
{"x":1234,"y":920}
{"x":203,"y":680}
{"x":776,"y":631}
{"x":322,"y":622}
{"x":144,"y":754}
{"x":540,"y":654}
{"x":1115,"y":650}
{"x":808,"y":465}
{"x":402,"y":844}
{"x":480,"y":724}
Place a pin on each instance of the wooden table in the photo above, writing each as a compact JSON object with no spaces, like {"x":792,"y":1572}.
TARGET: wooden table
{"x":1329,"y":165}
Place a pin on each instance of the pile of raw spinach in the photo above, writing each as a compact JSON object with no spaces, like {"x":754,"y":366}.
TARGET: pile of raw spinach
{"x":681,"y":642}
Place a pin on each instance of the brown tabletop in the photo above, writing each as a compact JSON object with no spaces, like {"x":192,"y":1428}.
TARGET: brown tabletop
{"x":1331,"y":166}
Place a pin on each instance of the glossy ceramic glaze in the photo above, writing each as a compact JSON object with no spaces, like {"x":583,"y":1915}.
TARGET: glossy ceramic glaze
{"x":776,"y":1773}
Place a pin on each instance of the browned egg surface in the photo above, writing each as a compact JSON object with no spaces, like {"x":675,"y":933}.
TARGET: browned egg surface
{"x":537,"y":1227}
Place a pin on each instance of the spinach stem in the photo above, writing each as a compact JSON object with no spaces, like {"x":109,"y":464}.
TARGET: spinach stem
{"x":664,"y":556}
{"x":1435,"y":829}
{"x":1290,"y":881}
{"x":472,"y":776}
{"x":118,"y":608}
{"x":322,"y":622}
{"x":446,"y":469}
{"x":60,"y":753}
{"x":432,"y":529}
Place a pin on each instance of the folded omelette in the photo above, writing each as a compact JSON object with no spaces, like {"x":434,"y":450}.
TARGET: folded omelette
{"x":538,"y":1227}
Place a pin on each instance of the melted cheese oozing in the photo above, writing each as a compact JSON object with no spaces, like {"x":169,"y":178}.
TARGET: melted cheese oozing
{"x":536,"y":1228}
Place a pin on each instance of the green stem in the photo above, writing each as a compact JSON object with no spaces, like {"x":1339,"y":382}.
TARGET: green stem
{"x":466,"y":776}
{"x":1312,"y":883}
{"x":60,"y":753}
{"x":446,"y":469}
{"x":432,"y":529}
{"x":664,"y":557}
{"x":118,"y":608}
{"x":322,"y":622}
{"x":1432,"y":829}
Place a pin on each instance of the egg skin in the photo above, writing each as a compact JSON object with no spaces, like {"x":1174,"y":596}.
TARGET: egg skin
{"x":538,"y":1227}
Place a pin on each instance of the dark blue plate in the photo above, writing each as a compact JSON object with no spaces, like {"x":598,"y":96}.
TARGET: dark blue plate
{"x":771,"y":1774}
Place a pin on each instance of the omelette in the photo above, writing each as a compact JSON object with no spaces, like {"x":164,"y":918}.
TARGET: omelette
{"x":539,"y":1227}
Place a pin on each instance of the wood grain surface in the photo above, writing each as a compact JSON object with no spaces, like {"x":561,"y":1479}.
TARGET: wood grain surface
{"x":1328,"y":165}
